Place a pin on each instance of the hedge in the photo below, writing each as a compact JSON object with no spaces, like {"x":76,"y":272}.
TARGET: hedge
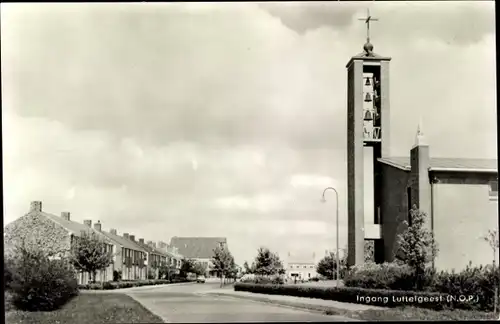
{"x":477,"y":281}
{"x":378,"y":297}
{"x":110,"y":285}
{"x":254,"y":279}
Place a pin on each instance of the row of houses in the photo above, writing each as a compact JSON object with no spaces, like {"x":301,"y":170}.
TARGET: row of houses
{"x":133,"y":258}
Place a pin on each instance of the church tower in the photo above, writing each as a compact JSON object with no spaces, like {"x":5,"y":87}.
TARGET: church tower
{"x":367,"y":140}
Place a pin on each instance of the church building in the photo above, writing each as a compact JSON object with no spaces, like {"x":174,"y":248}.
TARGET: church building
{"x":459,"y":196}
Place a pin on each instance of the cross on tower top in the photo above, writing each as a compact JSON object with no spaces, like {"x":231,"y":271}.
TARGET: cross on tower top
{"x":368,"y":47}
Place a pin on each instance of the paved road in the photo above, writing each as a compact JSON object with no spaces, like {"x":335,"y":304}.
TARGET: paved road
{"x":186,"y":303}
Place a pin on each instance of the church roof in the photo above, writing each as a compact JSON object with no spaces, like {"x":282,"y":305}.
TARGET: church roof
{"x":368,"y":57}
{"x":197,"y":247}
{"x":446,"y":164}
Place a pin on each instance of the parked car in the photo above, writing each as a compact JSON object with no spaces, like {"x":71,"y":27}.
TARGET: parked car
{"x":200,"y":279}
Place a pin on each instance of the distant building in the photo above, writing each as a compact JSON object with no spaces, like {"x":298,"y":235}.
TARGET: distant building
{"x":155,"y":258}
{"x":301,"y":268}
{"x":56,"y":234}
{"x":199,"y":249}
{"x":174,"y":258}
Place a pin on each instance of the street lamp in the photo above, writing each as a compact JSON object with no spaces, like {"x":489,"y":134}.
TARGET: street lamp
{"x":337,"y":222}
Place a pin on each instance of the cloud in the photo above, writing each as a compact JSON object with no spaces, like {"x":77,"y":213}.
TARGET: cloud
{"x":307,"y":180}
{"x":302,"y":17}
{"x":261,"y":203}
{"x":465,"y":23}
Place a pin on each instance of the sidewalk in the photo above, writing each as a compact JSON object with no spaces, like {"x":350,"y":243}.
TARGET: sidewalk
{"x":329,"y":306}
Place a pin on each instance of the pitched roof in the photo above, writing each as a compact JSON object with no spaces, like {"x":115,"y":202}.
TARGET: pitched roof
{"x":197,"y":247}
{"x":447,"y":164}
{"x":300,"y":259}
{"x":73,"y":227}
{"x":368,"y":57}
{"x":173,"y":255}
{"x":151,"y":249}
{"x":126,"y":243}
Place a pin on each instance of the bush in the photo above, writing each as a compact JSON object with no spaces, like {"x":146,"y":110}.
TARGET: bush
{"x":379,"y":297}
{"x":151,"y":274}
{"x":123,"y":284}
{"x":391,"y":276}
{"x":40,"y":284}
{"x":7,"y":273}
{"x":479,"y":282}
{"x":117,"y":275}
{"x":277,"y":280}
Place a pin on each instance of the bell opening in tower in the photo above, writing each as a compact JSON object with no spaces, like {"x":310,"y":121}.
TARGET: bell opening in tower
{"x":371,"y":104}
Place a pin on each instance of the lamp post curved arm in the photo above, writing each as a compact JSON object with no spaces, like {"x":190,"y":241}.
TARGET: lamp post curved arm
{"x":337,"y":230}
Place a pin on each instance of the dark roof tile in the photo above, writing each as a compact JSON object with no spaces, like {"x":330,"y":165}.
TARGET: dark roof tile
{"x":197,"y":247}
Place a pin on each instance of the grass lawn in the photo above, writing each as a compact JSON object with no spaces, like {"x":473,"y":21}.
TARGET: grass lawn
{"x":414,"y":313}
{"x":89,"y":308}
{"x":385,"y":314}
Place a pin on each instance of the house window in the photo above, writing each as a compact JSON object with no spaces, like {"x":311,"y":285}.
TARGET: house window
{"x":305,"y":267}
{"x":493,"y":190}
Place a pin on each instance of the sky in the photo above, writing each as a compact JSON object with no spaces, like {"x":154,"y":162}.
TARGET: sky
{"x":226,"y":119}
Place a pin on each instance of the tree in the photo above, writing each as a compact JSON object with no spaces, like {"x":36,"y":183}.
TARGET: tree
{"x":268,"y":263}
{"x":187,"y":266}
{"x":492,"y":239}
{"x":233,"y":272}
{"x":222,"y":261}
{"x":165,"y":271}
{"x":327,"y":266}
{"x":247,"y":268}
{"x":416,"y":246}
{"x":90,"y":253}
{"x":199,"y":269}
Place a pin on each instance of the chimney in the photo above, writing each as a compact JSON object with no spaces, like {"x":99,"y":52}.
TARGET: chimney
{"x":154,"y":245}
{"x":125,"y":235}
{"x":420,"y":191}
{"x":113,"y":231}
{"x":88,"y":222}
{"x":97,"y":226}
{"x":132,"y":237}
{"x":65,"y":216}
{"x":141,"y":240}
{"x":36,"y":206}
{"x":150,"y":243}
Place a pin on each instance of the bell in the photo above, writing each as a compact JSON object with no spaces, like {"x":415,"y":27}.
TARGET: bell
{"x":368,"y":97}
{"x":368,"y":115}
{"x":367,"y":82}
